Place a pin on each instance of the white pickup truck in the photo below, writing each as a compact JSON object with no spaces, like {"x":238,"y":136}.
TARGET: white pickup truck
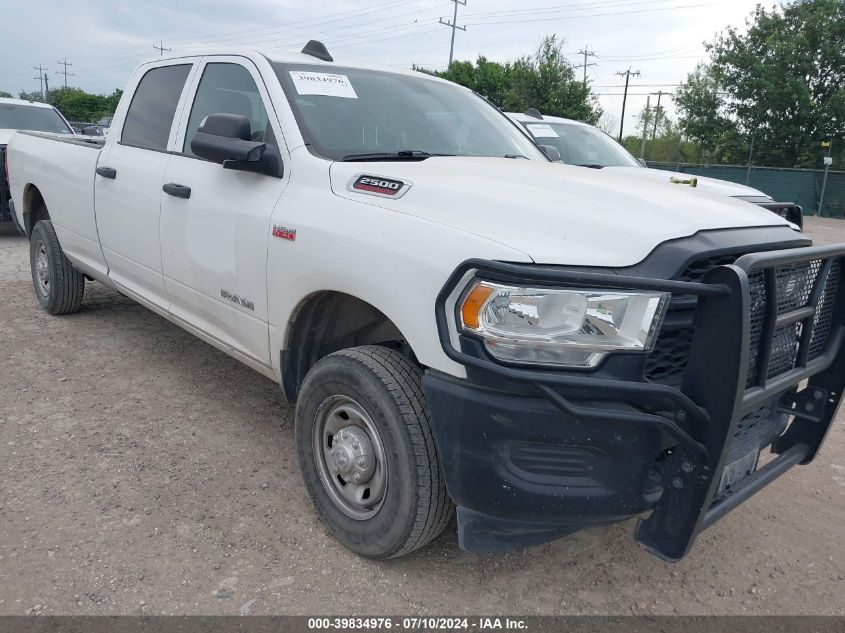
{"x":543,"y":346}
{"x":577,"y":143}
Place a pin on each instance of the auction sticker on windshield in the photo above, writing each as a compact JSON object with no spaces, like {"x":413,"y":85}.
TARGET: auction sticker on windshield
{"x":541,"y":130}
{"x":325,"y":84}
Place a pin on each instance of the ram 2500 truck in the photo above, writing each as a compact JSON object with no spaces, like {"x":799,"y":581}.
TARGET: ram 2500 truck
{"x":540,"y":345}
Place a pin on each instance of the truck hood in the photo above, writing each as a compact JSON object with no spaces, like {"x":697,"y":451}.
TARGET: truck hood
{"x":555,"y":214}
{"x":713,"y":185}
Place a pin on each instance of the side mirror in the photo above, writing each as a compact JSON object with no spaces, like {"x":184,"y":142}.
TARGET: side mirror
{"x":226,"y":137}
{"x":551,"y":152}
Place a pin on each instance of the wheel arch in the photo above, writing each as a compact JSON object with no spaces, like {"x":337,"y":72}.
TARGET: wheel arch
{"x":34,"y":208}
{"x":326,"y":321}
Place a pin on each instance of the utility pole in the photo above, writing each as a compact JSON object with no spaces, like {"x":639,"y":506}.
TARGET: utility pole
{"x":40,"y":78}
{"x":645,"y":127}
{"x":160,"y":48}
{"x":454,"y":26}
{"x":659,"y":93}
{"x":627,"y":75}
{"x":46,"y":87}
{"x":586,"y":52}
{"x":64,"y":72}
{"x":750,"y":161}
{"x":828,"y":161}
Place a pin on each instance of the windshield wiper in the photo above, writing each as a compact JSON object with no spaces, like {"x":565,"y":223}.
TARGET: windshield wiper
{"x":522,"y":156}
{"x":591,"y":165}
{"x":405,"y":154}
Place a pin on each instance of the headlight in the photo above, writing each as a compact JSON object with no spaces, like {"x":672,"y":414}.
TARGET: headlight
{"x":570,"y":327}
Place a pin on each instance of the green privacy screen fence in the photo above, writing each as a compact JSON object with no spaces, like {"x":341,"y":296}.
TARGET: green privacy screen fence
{"x":802,"y":186}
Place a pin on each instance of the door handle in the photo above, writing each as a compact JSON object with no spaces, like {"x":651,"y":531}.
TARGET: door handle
{"x":177,"y":190}
{"x":107,"y":172}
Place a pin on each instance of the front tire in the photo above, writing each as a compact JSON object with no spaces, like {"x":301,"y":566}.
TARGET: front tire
{"x":367,"y":452}
{"x":58,"y":285}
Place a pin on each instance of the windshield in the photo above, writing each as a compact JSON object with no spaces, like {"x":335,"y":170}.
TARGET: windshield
{"x":358,"y":114}
{"x":14,"y":116}
{"x":581,"y":144}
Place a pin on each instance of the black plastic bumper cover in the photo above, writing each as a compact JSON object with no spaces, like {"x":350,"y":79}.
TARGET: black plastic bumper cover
{"x":568,"y":450}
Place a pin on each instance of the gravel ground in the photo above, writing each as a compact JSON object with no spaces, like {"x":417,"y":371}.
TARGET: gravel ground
{"x":144,"y":472}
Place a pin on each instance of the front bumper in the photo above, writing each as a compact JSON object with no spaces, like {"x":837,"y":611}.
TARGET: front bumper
{"x":530,"y":455}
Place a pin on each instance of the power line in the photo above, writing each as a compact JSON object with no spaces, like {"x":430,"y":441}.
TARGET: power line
{"x":595,"y":15}
{"x":586,"y":52}
{"x":572,"y":6}
{"x":64,"y":72}
{"x":454,"y":26}
{"x":275,"y":42}
{"x":627,"y":74}
{"x":160,"y":48}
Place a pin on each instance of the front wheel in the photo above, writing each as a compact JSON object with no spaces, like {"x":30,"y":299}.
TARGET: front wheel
{"x":58,"y":285}
{"x":367,"y":452}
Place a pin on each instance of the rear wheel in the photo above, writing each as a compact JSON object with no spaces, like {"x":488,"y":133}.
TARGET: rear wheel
{"x":58,"y":285}
{"x":367,"y":452}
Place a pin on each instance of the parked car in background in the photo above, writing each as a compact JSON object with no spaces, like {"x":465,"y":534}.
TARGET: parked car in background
{"x":89,"y":129}
{"x":582,"y":144}
{"x":543,"y":346}
{"x":17,"y":114}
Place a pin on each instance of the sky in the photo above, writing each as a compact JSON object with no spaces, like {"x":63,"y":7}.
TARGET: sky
{"x":103,"y":40}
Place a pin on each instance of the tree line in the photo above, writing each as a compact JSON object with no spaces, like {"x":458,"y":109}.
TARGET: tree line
{"x":76,"y":104}
{"x":773,"y":93}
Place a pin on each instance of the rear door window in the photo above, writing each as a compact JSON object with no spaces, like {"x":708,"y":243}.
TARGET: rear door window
{"x":153,"y":107}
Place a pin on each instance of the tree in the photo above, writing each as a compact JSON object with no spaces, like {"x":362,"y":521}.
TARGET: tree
{"x":35,"y":95}
{"x":668,"y":145}
{"x":702,"y":109}
{"x":545,"y":80}
{"x":5,"y":95}
{"x":77,"y":105}
{"x":783,"y":80}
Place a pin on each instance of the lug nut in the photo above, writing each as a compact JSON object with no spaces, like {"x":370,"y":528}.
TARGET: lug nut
{"x":362,"y":462}
{"x":356,"y":477}
{"x":686,"y":467}
{"x":355,"y":444}
{"x":678,"y":483}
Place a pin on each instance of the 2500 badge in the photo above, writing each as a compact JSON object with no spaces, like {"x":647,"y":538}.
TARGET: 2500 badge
{"x":378,"y":186}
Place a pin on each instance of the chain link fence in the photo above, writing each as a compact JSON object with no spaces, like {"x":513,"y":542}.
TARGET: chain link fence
{"x":802,"y":186}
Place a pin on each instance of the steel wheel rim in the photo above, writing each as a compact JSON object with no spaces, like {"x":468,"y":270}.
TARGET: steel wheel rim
{"x":42,"y":268}
{"x":347,"y":443}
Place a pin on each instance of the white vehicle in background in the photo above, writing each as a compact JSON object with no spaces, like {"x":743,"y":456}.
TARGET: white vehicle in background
{"x":581,"y":144}
{"x":17,"y":114}
{"x":541,"y":345}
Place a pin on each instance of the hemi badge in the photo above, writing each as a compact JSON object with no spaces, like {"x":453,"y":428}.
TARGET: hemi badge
{"x":284,"y":232}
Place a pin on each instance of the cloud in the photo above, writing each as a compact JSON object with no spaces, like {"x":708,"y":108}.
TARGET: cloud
{"x":104,"y":40}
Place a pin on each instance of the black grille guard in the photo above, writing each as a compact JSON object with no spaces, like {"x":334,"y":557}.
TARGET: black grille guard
{"x":713,"y":397}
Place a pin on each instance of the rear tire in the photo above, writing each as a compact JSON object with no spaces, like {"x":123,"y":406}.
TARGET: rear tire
{"x":58,"y":285}
{"x":362,"y":416}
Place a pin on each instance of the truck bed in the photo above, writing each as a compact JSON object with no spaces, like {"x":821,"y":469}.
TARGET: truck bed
{"x":62,"y":170}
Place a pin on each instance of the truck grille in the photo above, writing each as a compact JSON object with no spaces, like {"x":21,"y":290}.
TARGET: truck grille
{"x":794,"y":283}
